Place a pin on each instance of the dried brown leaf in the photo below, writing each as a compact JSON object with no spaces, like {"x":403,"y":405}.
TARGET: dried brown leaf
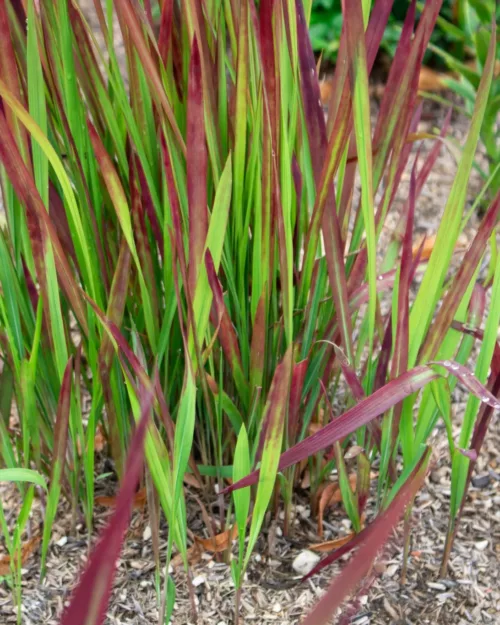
{"x":218,"y":543}
{"x":330,"y":545}
{"x":329,"y":496}
{"x":193,"y":556}
{"x":27,"y":549}
{"x":140,"y":499}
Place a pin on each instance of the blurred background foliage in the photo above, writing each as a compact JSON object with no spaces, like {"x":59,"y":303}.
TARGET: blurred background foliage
{"x":455,"y":31}
{"x":456,"y":54}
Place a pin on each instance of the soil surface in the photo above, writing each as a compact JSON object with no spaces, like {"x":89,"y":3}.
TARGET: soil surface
{"x":272,"y":592}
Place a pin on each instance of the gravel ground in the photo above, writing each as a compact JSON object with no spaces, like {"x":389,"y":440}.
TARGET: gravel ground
{"x":272,"y":594}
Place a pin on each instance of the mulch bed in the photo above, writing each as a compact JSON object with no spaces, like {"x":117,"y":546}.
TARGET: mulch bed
{"x":272,"y":592}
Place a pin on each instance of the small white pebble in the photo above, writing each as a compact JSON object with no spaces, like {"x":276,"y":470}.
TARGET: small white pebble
{"x":198,"y":580}
{"x":277,"y":608}
{"x":436,"y":586}
{"x":62,"y":541}
{"x":481,"y":545}
{"x":146,"y":535}
{"x":305,"y":562}
{"x":304,"y":511}
{"x":391,"y":570}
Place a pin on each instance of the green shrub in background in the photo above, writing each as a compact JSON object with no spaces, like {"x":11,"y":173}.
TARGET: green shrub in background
{"x":326,"y":27}
{"x":458,"y":44}
{"x":465,"y":59}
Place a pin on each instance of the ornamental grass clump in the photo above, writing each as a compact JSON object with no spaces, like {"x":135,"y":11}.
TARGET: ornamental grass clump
{"x":186,"y":269}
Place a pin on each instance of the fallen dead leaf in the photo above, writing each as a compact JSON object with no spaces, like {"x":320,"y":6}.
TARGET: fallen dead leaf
{"x":140,"y":499}
{"x":353,"y":452}
{"x":430,"y":80}
{"x":306,"y":479}
{"x":331,"y":495}
{"x":27,"y":549}
{"x":193,"y":557}
{"x":218,"y":543}
{"x":331,"y":545}
{"x":429,"y":242}
{"x":99,"y":439}
{"x":191,"y":480}
{"x":314,"y":428}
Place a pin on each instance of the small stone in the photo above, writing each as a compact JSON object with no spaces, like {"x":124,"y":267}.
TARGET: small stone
{"x":146,"y":535}
{"x":198,"y":581}
{"x":353,"y":452}
{"x":481,"y":481}
{"x":62,"y":541}
{"x":391,"y":570}
{"x":494,"y":474}
{"x":444,"y":596}
{"x":303,"y":511}
{"x":481,"y":545}
{"x":305,"y":562}
{"x":277,"y":608}
{"x":449,"y":583}
{"x":436,"y":586}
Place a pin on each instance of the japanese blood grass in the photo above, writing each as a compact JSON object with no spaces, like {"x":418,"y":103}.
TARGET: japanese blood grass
{"x":13,"y":541}
{"x":183,"y":239}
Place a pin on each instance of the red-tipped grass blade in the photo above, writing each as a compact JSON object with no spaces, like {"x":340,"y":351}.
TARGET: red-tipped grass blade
{"x":357,"y":416}
{"x":371,"y":540}
{"x":196,"y":168}
{"x":91,"y":596}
